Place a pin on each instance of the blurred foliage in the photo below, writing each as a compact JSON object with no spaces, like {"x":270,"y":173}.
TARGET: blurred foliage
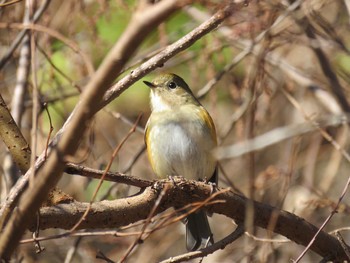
{"x":304,"y":174}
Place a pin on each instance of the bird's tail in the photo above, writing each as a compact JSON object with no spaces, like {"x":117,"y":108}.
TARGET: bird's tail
{"x":198,"y":233}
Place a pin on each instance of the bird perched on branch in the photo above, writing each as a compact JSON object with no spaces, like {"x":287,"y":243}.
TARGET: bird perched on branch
{"x":180,"y":135}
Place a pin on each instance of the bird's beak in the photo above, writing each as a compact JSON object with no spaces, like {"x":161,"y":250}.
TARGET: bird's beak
{"x":149,"y":84}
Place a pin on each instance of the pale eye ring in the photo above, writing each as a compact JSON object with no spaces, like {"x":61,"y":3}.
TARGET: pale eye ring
{"x":172,"y":85}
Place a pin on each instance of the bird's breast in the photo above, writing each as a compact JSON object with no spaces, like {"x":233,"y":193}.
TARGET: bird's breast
{"x":181,"y":146}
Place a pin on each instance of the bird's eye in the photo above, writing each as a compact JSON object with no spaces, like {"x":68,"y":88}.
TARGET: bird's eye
{"x":172,"y":85}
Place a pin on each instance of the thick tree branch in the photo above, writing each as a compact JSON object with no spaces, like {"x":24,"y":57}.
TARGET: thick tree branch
{"x":13,"y":138}
{"x":121,"y":212}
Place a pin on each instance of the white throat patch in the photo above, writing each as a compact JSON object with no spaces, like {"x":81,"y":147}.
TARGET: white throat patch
{"x":157,"y":103}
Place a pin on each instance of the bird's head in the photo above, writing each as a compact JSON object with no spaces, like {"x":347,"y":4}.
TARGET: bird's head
{"x":169,"y":91}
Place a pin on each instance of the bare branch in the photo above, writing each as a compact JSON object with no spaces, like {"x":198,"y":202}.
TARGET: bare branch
{"x":121,"y":212}
{"x":237,"y":233}
{"x":159,"y":59}
{"x":11,"y":171}
{"x":275,"y":136}
{"x":327,"y":69}
{"x":13,"y":138}
{"x":21,"y":35}
{"x":116,"y":177}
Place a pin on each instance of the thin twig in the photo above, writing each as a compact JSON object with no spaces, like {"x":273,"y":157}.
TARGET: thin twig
{"x":50,"y":131}
{"x":64,"y":75}
{"x":35,"y":97}
{"x":252,"y":46}
{"x":275,"y":136}
{"x":10,"y":3}
{"x":238,"y":232}
{"x":169,"y":52}
{"x":267,"y":239}
{"x":53,"y":33}
{"x":115,"y":152}
{"x":325,"y":64}
{"x":345,"y":154}
{"x":124,"y":119}
{"x":15,"y":43}
{"x":17,"y":103}
{"x":144,"y":226}
{"x":77,"y":169}
{"x":80,"y":234}
{"x":183,"y":212}
{"x":72,"y":250}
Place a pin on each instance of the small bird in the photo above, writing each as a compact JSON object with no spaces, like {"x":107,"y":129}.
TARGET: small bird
{"x":180,"y":135}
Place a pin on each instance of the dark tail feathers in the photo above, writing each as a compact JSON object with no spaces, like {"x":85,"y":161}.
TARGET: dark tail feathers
{"x":198,"y":233}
